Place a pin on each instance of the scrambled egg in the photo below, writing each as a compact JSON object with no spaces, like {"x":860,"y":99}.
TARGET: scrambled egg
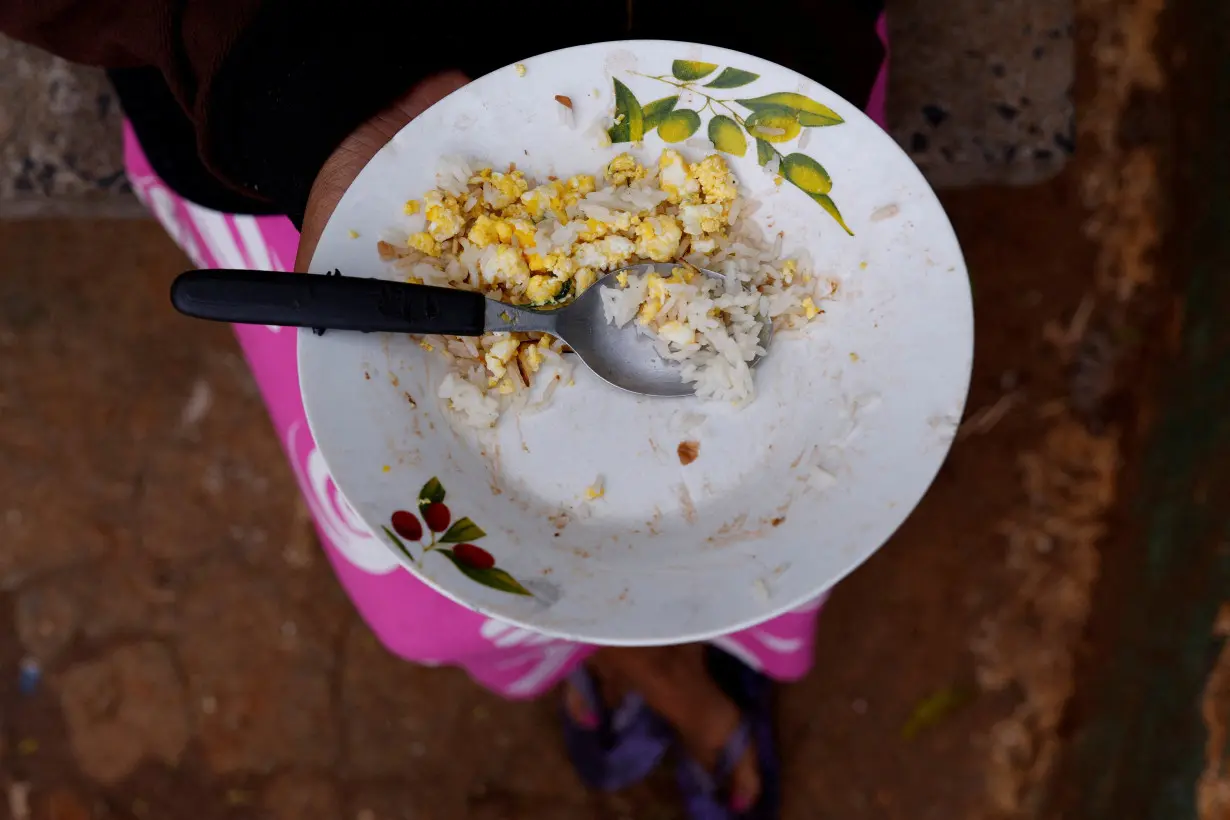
{"x":605,"y":254}
{"x":699,"y":220}
{"x":715,"y":180}
{"x":505,"y":267}
{"x":657,"y":238}
{"x":501,"y":190}
{"x":675,"y":178}
{"x":584,"y":277}
{"x":444,"y":219}
{"x":531,"y":355}
{"x":657,"y":293}
{"x":623,"y":170}
{"x":543,"y":289}
{"x":499,"y":355}
{"x":677,"y":332}
{"x":488,"y":237}
{"x":424,"y":243}
{"x":554,"y":198}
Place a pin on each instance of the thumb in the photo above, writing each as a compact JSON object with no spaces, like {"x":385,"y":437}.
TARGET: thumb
{"x":350,"y":157}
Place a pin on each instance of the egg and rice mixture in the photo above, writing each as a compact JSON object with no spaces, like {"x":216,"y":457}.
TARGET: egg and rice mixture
{"x":540,"y":245}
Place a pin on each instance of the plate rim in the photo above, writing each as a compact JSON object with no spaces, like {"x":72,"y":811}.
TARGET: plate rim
{"x":776,"y":607}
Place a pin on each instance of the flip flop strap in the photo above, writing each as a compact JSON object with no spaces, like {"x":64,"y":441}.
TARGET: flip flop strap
{"x":732,"y":752}
{"x":616,"y":720}
{"x":587,"y":687}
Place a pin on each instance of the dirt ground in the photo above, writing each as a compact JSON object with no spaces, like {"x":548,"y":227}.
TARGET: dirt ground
{"x":197,"y":656}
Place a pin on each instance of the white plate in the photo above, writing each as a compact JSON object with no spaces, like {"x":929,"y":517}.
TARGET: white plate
{"x":851,"y":422}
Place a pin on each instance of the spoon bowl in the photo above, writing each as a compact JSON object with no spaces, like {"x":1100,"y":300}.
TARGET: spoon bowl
{"x":620,"y":356}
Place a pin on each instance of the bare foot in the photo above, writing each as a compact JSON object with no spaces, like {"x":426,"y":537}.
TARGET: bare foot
{"x":675,"y":684}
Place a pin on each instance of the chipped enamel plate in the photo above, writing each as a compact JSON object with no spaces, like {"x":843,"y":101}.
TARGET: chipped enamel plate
{"x":852,"y":419}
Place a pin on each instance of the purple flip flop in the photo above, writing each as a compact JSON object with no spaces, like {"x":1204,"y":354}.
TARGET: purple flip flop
{"x":623,"y":747}
{"x":707,"y":794}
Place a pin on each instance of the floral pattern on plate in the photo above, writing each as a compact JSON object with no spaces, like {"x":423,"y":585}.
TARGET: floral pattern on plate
{"x":770,"y":119}
{"x":449,"y":538}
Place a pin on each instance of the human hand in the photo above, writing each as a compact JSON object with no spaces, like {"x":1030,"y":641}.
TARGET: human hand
{"x":345,"y":163}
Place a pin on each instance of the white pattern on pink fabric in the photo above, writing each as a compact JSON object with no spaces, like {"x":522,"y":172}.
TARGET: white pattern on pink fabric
{"x":502,"y":633}
{"x":545,"y":655}
{"x":258,"y":253}
{"x":215,"y":230}
{"x":163,"y":204}
{"x":777,"y":644}
{"x":333,"y":513}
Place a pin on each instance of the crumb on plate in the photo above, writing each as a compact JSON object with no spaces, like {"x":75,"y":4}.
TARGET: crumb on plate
{"x":596,"y":490}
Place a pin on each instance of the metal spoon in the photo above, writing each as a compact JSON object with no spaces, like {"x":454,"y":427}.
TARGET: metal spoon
{"x":620,"y":356}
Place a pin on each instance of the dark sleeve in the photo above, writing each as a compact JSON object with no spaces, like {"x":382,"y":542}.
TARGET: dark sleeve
{"x":272,"y":87}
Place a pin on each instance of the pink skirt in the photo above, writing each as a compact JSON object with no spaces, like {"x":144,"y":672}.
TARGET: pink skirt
{"x":508,"y":660}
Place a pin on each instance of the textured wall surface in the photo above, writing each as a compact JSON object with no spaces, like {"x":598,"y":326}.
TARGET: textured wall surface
{"x":59,"y":138}
{"x":980,"y":90}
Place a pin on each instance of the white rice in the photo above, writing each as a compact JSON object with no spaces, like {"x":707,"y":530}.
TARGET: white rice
{"x":454,"y":175}
{"x":474,"y":406}
{"x":724,"y":316}
{"x":715,"y":324}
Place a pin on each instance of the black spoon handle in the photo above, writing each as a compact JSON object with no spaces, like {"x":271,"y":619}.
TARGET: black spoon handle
{"x":332,"y":302}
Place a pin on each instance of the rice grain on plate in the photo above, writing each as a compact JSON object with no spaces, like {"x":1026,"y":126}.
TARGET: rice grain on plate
{"x":542,"y":243}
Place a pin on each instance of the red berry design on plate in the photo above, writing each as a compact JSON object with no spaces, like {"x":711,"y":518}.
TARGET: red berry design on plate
{"x":437,"y":517}
{"x":473,"y":556}
{"x":406,"y":524}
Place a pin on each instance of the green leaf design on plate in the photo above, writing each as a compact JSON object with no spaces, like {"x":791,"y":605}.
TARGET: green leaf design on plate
{"x":397,"y":542}
{"x":493,"y":577}
{"x":678,"y":125}
{"x":432,"y":493}
{"x":727,"y":136}
{"x":689,"y":70}
{"x":463,"y":529}
{"x":809,"y":120}
{"x":773,"y":124}
{"x":630,"y":118}
{"x":807,"y":174}
{"x":732,"y":78}
{"x":764,"y":152}
{"x":829,"y":205}
{"x":809,"y":112}
{"x":655,"y":111}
